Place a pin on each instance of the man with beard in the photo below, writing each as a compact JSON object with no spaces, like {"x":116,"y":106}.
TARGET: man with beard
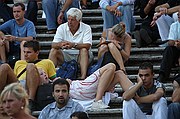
{"x":63,"y":106}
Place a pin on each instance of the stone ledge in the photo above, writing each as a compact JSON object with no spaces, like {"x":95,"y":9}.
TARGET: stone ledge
{"x":97,"y":113}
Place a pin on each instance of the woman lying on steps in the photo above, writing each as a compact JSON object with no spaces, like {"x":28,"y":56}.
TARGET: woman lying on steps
{"x":94,"y":86}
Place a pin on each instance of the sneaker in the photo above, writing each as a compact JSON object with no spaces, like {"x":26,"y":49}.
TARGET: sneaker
{"x":145,"y":36}
{"x":138,"y":39}
{"x":99,"y":105}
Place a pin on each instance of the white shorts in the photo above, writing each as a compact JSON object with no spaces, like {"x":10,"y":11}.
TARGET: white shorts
{"x":85,"y":89}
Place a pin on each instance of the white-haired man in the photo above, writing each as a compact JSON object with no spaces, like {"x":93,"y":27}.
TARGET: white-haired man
{"x":73,"y":40}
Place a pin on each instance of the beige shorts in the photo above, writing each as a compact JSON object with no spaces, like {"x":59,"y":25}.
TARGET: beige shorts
{"x":73,"y":55}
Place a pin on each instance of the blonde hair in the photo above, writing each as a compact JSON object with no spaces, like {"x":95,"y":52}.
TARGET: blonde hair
{"x":18,"y":91}
{"x":119,"y":29}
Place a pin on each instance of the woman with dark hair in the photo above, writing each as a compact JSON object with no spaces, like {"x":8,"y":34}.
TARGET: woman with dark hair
{"x":115,"y":45}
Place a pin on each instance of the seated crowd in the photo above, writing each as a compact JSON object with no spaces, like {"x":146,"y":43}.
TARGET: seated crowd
{"x":73,"y":41}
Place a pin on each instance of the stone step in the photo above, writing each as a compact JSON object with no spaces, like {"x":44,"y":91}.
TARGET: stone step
{"x":112,"y":113}
{"x":49,"y":37}
{"x":98,"y":114}
{"x":41,"y":29}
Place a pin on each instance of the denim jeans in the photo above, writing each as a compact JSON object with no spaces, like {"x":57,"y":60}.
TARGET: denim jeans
{"x":127,"y":17}
{"x":31,"y":12}
{"x":174,"y":110}
{"x":52,"y":9}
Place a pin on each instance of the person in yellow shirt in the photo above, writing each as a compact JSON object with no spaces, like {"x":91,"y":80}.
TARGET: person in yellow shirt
{"x":36,"y":72}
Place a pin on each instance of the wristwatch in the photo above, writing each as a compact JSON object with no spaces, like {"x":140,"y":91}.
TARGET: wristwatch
{"x":16,"y":38}
{"x":75,"y":45}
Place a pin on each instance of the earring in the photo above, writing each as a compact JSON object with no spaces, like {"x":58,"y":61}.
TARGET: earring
{"x":22,"y":107}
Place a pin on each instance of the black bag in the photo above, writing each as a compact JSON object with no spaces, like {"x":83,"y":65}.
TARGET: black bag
{"x":14,"y":54}
{"x":44,"y":96}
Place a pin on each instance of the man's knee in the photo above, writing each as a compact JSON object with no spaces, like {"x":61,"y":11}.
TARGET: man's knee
{"x":31,"y":67}
{"x":4,"y":67}
{"x":174,"y":106}
{"x":111,"y":66}
{"x":111,"y":46}
{"x":161,"y":102}
{"x":54,"y":52}
{"x":84,"y":51}
{"x":128,"y":103}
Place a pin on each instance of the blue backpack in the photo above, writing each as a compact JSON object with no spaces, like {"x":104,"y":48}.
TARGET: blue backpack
{"x":68,"y":69}
{"x":95,"y":66}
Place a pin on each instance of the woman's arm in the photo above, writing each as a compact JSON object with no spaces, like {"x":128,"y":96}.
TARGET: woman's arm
{"x":127,"y":48}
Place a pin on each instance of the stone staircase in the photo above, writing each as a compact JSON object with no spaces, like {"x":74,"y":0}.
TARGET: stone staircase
{"x":93,"y":17}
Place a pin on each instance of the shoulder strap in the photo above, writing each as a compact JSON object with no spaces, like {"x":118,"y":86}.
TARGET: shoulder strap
{"x":21,"y":72}
{"x":25,"y":69}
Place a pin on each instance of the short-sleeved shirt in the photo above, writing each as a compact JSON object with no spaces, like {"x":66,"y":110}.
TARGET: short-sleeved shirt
{"x":45,"y":64}
{"x":83,"y":34}
{"x":174,"y":32}
{"x":147,"y":107}
{"x":51,"y":111}
{"x":26,"y":29}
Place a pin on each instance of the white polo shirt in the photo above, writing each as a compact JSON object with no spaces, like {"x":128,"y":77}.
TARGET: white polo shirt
{"x":83,"y":35}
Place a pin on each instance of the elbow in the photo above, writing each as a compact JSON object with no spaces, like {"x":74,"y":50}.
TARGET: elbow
{"x":88,"y":46}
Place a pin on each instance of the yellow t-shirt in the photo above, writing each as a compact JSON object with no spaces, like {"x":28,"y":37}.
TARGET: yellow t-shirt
{"x":45,"y":64}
